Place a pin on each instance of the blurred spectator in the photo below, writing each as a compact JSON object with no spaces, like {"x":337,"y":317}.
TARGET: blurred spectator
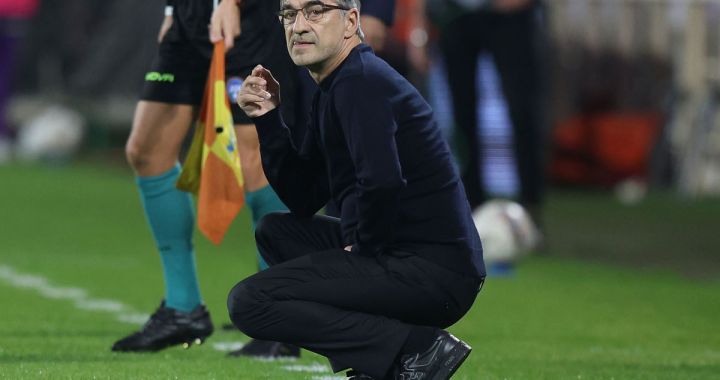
{"x":13,"y":16}
{"x":507,"y":30}
{"x":407,"y":42}
{"x":376,"y":17}
{"x":85,"y":50}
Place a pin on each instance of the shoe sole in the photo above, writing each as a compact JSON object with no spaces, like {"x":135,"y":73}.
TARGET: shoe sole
{"x":454,"y":360}
{"x":185,"y":342}
{"x":197,"y":341}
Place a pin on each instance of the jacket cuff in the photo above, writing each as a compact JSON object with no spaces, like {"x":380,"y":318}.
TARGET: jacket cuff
{"x":270,"y":125}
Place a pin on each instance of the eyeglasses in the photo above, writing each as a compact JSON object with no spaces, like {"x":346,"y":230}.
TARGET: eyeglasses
{"x":313,"y":12}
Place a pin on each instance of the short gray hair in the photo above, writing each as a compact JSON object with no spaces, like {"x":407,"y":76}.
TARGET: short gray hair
{"x":349,"y":4}
{"x":353,"y":4}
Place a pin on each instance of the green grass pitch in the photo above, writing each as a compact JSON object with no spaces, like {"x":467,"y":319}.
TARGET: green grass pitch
{"x":82,"y":228}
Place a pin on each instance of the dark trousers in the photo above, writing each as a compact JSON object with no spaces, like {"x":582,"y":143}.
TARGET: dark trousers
{"x":510,"y":39}
{"x":357,"y":311}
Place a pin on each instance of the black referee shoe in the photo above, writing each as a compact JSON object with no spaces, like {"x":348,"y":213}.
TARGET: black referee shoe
{"x":168,"y":327}
{"x":439,"y":362}
{"x":266,"y":349}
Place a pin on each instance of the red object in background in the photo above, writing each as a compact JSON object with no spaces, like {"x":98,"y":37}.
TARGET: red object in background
{"x":408,"y":13}
{"x":603,"y":149}
{"x":403,"y":20}
{"x":18,"y":8}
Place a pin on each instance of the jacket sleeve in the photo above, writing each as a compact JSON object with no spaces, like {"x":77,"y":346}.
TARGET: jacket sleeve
{"x":369,"y":126}
{"x":297,"y":176}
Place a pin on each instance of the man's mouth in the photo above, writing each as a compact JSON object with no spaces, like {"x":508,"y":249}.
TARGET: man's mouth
{"x":302,"y":43}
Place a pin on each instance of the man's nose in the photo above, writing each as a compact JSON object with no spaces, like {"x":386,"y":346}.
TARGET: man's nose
{"x":301,"y":24}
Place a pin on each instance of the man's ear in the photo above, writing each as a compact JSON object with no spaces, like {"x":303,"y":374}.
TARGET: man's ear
{"x":352,"y":23}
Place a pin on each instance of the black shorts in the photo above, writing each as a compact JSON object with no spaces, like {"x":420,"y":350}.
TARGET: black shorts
{"x":179,"y":70}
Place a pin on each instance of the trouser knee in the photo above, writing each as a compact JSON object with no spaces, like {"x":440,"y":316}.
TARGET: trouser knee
{"x":246,"y":304}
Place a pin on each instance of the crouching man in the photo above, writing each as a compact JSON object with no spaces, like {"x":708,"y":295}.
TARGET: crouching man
{"x":373,"y":290}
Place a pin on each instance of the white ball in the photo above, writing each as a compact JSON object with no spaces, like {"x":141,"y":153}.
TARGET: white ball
{"x":56,"y":133}
{"x":631,"y":191}
{"x":506,"y":230}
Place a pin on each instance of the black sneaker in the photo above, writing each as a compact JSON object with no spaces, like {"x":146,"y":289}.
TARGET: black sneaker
{"x":267,"y":350}
{"x":168,"y":327}
{"x":439,"y":362}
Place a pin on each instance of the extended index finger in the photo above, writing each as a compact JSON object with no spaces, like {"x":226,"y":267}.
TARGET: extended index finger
{"x":259,"y":71}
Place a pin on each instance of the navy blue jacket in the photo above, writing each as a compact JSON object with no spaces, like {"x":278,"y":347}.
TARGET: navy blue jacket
{"x":373,"y":146}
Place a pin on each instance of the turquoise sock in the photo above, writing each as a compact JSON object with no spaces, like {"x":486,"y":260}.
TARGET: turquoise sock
{"x":261,"y":203}
{"x":169,"y":212}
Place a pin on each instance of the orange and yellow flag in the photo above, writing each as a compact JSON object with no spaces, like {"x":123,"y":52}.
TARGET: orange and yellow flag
{"x":212,"y":167}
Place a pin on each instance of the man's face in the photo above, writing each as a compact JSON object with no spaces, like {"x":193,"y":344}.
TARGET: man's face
{"x":314,"y":42}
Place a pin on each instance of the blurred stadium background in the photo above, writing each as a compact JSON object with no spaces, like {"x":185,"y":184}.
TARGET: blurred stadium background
{"x":625,"y":285}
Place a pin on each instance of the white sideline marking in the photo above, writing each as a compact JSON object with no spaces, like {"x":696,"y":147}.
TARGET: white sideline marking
{"x":100,"y":305}
{"x":324,"y":371}
{"x":63,"y":293}
{"x":78,"y":296}
{"x":314,"y":367}
{"x":133,"y":318}
{"x":122,"y":312}
{"x":227,"y":346}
